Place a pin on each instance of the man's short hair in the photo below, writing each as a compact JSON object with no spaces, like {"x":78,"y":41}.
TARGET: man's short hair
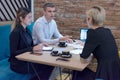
{"x":48,"y":5}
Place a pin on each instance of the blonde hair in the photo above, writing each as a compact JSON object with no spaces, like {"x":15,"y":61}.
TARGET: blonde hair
{"x":98,"y":14}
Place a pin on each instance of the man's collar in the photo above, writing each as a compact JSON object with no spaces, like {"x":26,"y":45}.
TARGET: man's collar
{"x":45,"y":21}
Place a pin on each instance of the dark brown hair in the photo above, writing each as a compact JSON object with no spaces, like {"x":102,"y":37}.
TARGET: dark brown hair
{"x":48,"y":5}
{"x":22,"y":12}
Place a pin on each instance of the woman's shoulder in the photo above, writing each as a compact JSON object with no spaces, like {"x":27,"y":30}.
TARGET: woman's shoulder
{"x":98,"y":30}
{"x":16,"y":30}
{"x":91,"y":31}
{"x":102,"y":28}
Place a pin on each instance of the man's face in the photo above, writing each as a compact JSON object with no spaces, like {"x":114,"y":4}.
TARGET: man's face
{"x":50,"y":13}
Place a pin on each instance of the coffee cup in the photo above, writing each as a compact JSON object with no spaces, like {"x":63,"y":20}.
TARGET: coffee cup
{"x":55,"y":52}
{"x":62,"y":44}
{"x":65,"y":53}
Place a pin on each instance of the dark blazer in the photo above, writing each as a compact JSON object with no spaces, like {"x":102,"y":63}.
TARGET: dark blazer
{"x":102,"y":44}
{"x":20,"y":42}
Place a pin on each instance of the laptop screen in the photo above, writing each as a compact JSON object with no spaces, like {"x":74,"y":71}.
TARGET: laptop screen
{"x":83,"y":34}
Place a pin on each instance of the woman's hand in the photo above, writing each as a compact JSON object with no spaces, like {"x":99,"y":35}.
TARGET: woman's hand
{"x":83,"y":60}
{"x":38,"y":47}
{"x":86,"y":60}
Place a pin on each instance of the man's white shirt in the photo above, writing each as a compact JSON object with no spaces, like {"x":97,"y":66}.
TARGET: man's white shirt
{"x":44,"y":31}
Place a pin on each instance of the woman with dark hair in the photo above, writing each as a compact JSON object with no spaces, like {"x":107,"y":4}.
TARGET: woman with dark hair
{"x":21,"y":41}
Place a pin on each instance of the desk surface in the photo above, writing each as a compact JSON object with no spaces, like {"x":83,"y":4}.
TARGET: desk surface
{"x":74,"y":63}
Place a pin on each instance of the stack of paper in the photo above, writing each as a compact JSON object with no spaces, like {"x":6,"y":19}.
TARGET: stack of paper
{"x":48,"y":48}
{"x":78,"y":46}
{"x":76,"y":51}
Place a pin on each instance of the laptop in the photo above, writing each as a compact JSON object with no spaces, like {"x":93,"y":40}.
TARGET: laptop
{"x":83,"y":34}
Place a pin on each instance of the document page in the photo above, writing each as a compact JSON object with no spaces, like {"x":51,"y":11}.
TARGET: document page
{"x":48,"y":48}
{"x":76,"y":51}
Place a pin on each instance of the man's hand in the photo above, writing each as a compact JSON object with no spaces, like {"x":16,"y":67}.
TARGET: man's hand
{"x":66,"y":39}
{"x":45,"y":44}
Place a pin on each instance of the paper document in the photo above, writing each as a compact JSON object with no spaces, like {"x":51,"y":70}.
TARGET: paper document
{"x":77,"y":46}
{"x":48,"y":48}
{"x":76,"y":51}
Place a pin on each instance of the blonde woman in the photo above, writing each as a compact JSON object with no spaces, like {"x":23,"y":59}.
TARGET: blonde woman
{"x":101,"y":43}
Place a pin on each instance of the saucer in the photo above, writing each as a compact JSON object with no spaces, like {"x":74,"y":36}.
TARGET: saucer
{"x":66,"y":56}
{"x":62,"y":46}
{"x":53,"y":54}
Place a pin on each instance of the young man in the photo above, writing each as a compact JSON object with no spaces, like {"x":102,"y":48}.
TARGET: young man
{"x":45,"y":28}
